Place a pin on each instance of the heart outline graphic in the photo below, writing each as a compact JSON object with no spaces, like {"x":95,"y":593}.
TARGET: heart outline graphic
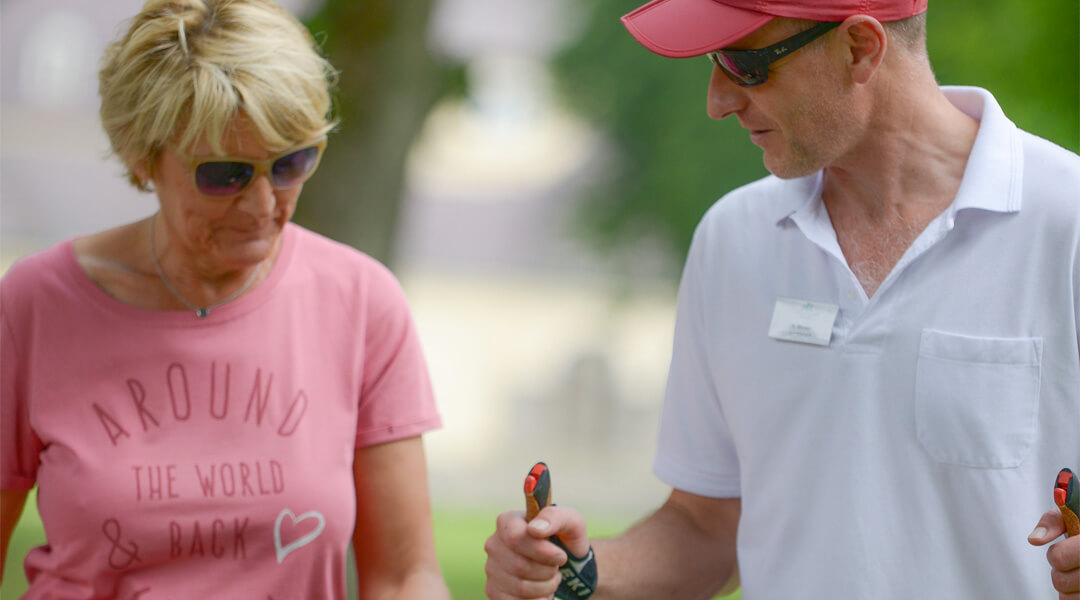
{"x":283,"y":551}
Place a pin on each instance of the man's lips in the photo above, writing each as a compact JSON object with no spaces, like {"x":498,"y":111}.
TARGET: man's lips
{"x":757,"y":135}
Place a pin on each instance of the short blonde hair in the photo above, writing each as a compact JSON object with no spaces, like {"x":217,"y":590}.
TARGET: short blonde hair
{"x":187,"y":68}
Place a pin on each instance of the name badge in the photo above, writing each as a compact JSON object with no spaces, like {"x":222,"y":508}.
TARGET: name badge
{"x":803,"y":321}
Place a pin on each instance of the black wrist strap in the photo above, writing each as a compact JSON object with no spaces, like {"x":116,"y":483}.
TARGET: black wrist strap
{"x":578,"y":575}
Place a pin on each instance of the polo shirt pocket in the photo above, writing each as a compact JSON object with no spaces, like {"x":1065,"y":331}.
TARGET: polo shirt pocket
{"x":977,"y":398}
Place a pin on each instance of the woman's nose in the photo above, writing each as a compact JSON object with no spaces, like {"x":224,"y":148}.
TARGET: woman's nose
{"x":259,"y":197}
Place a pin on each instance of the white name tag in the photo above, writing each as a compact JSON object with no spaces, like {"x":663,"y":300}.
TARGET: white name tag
{"x":803,"y":321}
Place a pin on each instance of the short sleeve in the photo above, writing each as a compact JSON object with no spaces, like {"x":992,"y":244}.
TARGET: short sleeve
{"x":20,"y":448}
{"x":695,"y":452}
{"x":396,"y":400}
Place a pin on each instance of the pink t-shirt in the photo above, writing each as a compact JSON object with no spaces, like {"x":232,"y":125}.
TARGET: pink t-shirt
{"x":181,"y":458}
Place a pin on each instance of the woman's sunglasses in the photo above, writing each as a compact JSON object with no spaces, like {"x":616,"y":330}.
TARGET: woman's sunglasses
{"x":748,"y":68}
{"x":228,"y":176}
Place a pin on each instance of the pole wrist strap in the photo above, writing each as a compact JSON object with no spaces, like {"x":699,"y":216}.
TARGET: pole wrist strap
{"x":578,"y":576}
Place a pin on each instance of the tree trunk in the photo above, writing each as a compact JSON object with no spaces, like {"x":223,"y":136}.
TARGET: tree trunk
{"x":388,"y":82}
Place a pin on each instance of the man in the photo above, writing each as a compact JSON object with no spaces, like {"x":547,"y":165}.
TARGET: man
{"x":876,"y":375}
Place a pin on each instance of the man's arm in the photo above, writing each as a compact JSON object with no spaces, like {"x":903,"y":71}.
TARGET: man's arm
{"x":11,"y":507}
{"x":686,"y":549}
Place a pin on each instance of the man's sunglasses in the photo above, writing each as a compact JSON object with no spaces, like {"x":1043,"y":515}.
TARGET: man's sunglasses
{"x":748,"y":68}
{"x":228,"y":175}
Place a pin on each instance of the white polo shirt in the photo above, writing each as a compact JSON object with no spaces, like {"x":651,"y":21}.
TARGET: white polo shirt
{"x":909,"y":457}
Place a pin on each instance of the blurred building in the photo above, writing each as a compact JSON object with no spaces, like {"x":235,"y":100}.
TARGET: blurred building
{"x":54,"y":181}
{"x":539,"y":348}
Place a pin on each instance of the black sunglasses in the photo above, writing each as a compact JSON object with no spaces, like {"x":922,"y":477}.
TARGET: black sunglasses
{"x":748,"y":68}
{"x":228,"y":176}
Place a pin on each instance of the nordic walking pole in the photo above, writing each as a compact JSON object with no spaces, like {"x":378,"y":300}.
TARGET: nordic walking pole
{"x":1067,"y":498}
{"x":579,"y":573}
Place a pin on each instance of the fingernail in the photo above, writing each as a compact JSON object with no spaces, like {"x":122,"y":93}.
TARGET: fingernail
{"x":539,"y":524}
{"x":1038,"y":534}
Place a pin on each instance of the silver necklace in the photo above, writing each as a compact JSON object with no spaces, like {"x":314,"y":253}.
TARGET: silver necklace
{"x":203,"y":312}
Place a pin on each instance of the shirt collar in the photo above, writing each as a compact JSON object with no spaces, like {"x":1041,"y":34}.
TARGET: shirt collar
{"x":992,"y":176}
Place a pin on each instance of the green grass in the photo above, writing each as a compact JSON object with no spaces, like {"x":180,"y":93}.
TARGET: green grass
{"x":28,"y":534}
{"x":459,"y":541}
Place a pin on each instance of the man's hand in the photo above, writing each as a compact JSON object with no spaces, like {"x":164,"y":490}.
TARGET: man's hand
{"x":522,"y":563}
{"x":1064,"y":556}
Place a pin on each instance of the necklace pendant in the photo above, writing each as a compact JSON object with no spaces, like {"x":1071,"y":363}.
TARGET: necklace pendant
{"x":201,"y":313}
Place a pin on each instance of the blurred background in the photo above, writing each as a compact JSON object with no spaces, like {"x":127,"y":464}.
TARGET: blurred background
{"x":530,"y":173}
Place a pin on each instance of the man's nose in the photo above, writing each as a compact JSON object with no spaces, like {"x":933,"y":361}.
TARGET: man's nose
{"x":724,"y":97}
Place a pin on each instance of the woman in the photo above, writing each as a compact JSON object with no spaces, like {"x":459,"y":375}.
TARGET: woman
{"x":210,"y":399}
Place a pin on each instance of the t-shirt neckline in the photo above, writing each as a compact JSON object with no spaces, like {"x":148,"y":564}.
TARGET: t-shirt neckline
{"x":182,"y":318}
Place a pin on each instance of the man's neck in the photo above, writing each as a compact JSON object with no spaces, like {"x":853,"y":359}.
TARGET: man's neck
{"x":910,"y":160}
{"x":904,"y":173}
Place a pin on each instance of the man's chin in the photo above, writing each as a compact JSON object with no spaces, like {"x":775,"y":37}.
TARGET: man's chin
{"x":788,"y":169}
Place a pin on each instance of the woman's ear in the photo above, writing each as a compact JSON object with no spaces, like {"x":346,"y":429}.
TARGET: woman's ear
{"x":141,"y":174}
{"x":141,"y":170}
{"x":865,"y":42}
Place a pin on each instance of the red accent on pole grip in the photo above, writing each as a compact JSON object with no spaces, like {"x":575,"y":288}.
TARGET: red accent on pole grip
{"x":1063,"y":479}
{"x":1059,"y":496}
{"x":537,"y":490}
{"x":537,"y":469}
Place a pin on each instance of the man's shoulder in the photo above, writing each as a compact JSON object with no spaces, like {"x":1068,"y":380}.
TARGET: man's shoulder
{"x":1043,"y":157}
{"x":765,"y":201}
{"x":1051,"y":179}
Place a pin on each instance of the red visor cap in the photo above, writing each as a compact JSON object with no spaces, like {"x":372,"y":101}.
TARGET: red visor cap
{"x":685,"y":28}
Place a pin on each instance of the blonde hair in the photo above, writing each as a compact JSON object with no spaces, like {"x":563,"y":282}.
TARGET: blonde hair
{"x":187,"y":68}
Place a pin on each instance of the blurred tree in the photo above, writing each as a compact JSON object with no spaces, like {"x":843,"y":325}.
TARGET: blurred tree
{"x":675,"y":162}
{"x":388,"y":83}
{"x":1026,"y":53}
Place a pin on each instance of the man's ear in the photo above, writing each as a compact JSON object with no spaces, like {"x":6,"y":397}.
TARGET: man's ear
{"x":865,"y":43}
